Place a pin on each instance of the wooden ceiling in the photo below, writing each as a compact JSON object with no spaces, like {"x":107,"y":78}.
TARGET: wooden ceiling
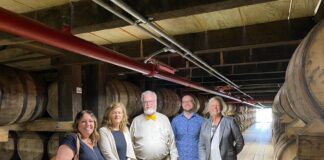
{"x":250,"y":42}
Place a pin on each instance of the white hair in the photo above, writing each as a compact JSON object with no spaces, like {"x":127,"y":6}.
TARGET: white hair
{"x":218,"y":99}
{"x":148,"y":92}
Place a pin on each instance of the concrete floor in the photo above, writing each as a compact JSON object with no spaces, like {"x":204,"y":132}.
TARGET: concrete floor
{"x":258,"y":144}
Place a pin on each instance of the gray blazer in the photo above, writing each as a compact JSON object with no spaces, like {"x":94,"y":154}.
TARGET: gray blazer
{"x":229,"y":133}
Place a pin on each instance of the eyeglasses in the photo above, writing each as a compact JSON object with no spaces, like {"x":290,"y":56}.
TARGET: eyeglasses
{"x":148,"y":102}
{"x":186,"y":101}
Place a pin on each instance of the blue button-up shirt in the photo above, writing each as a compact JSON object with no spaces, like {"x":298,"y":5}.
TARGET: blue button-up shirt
{"x":186,"y":132}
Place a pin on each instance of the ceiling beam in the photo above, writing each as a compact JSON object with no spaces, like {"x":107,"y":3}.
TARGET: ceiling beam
{"x":96,"y":18}
{"x":273,"y":34}
{"x":238,"y":64}
{"x":252,"y":46}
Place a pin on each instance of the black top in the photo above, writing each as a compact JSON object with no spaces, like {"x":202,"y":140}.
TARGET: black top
{"x":120,"y":144}
{"x":85,"y":153}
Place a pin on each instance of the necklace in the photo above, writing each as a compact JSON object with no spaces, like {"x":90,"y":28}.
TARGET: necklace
{"x":88,"y":142}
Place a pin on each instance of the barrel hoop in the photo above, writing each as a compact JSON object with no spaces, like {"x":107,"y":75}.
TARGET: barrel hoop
{"x":284,"y":146}
{"x":127,"y":92}
{"x":115,"y":91}
{"x":34,"y":114}
{"x":25,"y":96}
{"x":38,"y":102}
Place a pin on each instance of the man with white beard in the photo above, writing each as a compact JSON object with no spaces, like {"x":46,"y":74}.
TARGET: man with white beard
{"x":151,"y":132}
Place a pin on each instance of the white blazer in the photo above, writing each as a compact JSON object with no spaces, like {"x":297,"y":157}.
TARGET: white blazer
{"x":108,"y":148}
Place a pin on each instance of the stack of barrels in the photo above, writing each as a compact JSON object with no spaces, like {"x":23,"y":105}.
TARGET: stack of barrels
{"x":243,"y":115}
{"x":168,"y":102}
{"x":22,"y":97}
{"x":8,"y":150}
{"x":301,"y":98}
{"x":126,"y":93}
{"x":201,"y":103}
{"x":284,"y":146}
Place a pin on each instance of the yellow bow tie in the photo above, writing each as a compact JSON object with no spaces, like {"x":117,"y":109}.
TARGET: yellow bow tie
{"x":148,"y":117}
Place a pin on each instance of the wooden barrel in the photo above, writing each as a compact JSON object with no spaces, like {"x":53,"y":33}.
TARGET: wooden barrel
{"x":274,"y":104}
{"x":240,"y":118}
{"x":168,"y":102}
{"x":229,"y":109}
{"x":285,"y":149}
{"x":8,"y":149}
{"x":277,"y":128}
{"x":285,"y":102}
{"x":126,"y":93}
{"x":52,"y":105}
{"x":277,"y":108}
{"x":22,"y":97}
{"x":30,"y":146}
{"x":304,"y":76}
{"x":197,"y":103}
{"x":202,"y":100}
{"x":243,"y":109}
{"x":53,"y":145}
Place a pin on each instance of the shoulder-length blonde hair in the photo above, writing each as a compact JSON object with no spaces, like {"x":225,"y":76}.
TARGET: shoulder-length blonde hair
{"x":94,"y":135}
{"x":106,"y":122}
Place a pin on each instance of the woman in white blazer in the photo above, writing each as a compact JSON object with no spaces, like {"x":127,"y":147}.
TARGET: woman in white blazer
{"x":115,"y":142}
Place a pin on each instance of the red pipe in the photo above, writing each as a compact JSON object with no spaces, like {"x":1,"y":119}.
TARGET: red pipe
{"x":19,"y":25}
{"x":16,"y":24}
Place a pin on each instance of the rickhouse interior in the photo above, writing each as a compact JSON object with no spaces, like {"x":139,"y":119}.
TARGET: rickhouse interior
{"x":265,"y":58}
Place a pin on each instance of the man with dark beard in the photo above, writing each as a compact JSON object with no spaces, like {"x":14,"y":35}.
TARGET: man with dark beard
{"x":186,"y":129}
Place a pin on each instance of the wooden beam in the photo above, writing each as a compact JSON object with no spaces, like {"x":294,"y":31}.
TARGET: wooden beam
{"x":40,"y":48}
{"x":25,"y":59}
{"x":69,"y":92}
{"x":252,"y":46}
{"x":94,"y":96}
{"x":49,"y":125}
{"x":98,"y":18}
{"x":72,"y":59}
{"x":40,"y":125}
{"x":4,"y":135}
{"x":198,"y":7}
{"x":13,"y":41}
{"x":257,"y":36}
{"x":238,"y":64}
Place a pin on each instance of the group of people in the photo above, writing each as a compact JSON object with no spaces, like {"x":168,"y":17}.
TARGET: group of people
{"x":151,"y":135}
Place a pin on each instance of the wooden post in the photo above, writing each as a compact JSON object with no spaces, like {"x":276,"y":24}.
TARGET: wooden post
{"x":94,"y":95}
{"x":69,"y":92}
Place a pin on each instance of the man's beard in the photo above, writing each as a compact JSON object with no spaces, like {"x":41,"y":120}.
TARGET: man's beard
{"x":150,"y":111}
{"x":192,"y":110}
